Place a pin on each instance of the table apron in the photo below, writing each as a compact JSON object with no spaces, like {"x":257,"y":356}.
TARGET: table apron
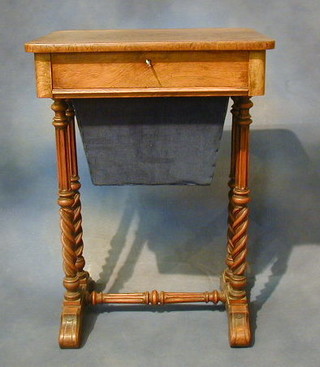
{"x":153,"y":74}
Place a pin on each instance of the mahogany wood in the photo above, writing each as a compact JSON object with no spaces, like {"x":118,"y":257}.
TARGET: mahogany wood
{"x":151,"y":63}
{"x":75,"y":187}
{"x":234,"y":279}
{"x":76,"y":281}
{"x":157,"y":298}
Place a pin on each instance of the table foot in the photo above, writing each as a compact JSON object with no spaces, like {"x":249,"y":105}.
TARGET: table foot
{"x":238,"y":314}
{"x":70,"y":328}
{"x":72,"y":316}
{"x":239,"y":324}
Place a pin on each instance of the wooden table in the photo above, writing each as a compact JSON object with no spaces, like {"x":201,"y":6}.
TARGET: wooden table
{"x":151,"y":63}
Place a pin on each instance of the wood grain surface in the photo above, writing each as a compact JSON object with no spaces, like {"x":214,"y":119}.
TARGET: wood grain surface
{"x":151,"y":63}
{"x":147,"y":92}
{"x":151,"y":40}
{"x":43,"y":75}
{"x":167,"y":70}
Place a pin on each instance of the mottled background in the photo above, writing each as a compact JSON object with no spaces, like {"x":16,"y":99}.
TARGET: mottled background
{"x":171,"y":238}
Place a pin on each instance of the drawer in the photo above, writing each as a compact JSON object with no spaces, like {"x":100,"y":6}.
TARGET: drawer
{"x":114,"y":70}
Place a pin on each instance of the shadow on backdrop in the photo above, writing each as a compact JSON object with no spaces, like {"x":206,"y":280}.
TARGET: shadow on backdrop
{"x":283,"y":215}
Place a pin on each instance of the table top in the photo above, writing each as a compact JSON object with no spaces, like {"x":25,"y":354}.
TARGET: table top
{"x":196,"y":39}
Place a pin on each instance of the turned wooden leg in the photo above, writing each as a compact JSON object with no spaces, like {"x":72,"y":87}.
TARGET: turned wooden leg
{"x":75,"y":186}
{"x":234,"y":278}
{"x":71,"y":317}
{"x":234,"y":149}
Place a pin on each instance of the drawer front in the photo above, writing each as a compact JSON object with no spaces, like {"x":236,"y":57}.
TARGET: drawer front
{"x":215,"y":69}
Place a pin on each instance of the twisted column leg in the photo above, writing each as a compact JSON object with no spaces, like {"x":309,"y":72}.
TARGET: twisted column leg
{"x":75,"y":186}
{"x":70,"y":329}
{"x":234,"y":278}
{"x":234,"y":148}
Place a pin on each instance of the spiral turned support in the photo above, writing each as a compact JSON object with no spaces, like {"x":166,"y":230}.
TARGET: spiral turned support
{"x":231,"y":183}
{"x":234,"y":277}
{"x":72,"y":311}
{"x":75,"y":186}
{"x":238,"y":219}
{"x":71,"y":280}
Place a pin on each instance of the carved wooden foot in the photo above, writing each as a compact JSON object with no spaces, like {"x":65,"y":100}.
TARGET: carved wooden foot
{"x":72,"y":316}
{"x":70,"y":327}
{"x":238,"y":315}
{"x":239,"y":324}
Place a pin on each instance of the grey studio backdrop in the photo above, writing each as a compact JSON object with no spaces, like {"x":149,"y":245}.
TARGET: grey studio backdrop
{"x":169,"y":238}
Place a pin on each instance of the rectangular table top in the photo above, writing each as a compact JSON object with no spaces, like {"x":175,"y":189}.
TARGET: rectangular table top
{"x":196,"y":39}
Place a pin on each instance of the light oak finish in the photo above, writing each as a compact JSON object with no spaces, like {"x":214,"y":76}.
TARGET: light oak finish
{"x":107,"y":62}
{"x":43,"y":75}
{"x":256,"y":73}
{"x":167,"y":70}
{"x":127,"y":74}
{"x":196,"y":39}
{"x":146,"y":92}
{"x":151,"y":63}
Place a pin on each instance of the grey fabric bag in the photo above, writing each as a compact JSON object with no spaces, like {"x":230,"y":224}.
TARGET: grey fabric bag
{"x":151,"y":141}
